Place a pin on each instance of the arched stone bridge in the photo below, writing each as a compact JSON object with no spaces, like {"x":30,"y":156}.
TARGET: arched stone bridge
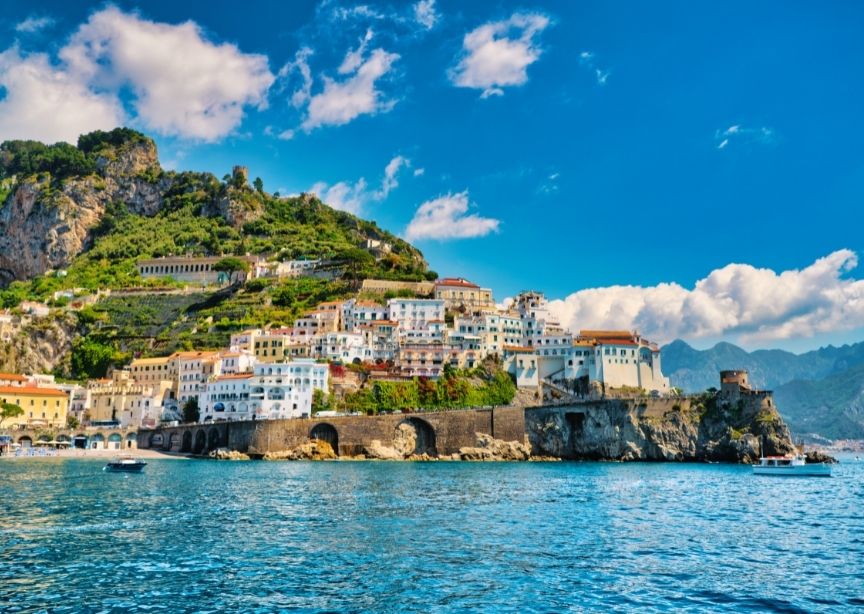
{"x":99,"y":438}
{"x":438,"y":433}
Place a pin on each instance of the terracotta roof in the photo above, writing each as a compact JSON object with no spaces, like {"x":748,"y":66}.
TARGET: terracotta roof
{"x":12,"y":377}
{"x":606,"y":334}
{"x":193,"y":354}
{"x":518,"y":348}
{"x":616,"y":341}
{"x":456,"y":281}
{"x":234,"y":376}
{"x":32,"y":390}
{"x":150,"y":361}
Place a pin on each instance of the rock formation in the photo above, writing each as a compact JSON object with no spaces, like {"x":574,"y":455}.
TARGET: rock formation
{"x":688,"y":430}
{"x":490,"y":449}
{"x":314,"y":449}
{"x":226,"y":454}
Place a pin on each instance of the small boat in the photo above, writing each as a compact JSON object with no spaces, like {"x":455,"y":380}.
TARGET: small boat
{"x":125,"y":464}
{"x":790,"y":465}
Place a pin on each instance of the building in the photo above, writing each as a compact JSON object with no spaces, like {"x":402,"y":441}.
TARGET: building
{"x":414,"y":314}
{"x":285,"y":390}
{"x":461,"y":294}
{"x":151,"y":371}
{"x":121,"y":401}
{"x":227,"y":398}
{"x":192,"y":269}
{"x":357,"y":313}
{"x":47,"y":407}
{"x":13,"y":379}
{"x":244,"y":340}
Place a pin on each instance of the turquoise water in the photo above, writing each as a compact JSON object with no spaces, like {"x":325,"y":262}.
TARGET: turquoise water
{"x":428,"y":537}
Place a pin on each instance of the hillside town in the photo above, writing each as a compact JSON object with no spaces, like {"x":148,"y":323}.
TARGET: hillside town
{"x":450,"y":324}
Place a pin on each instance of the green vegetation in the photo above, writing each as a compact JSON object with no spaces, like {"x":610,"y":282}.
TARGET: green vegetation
{"x":10,"y":410}
{"x":453,"y":390}
{"x":231,"y":265}
{"x":91,"y":359}
{"x":191,"y":411}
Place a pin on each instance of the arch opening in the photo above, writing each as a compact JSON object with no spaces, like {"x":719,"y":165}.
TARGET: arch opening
{"x":415,"y":437}
{"x":326,"y":432}
{"x":200,"y":442}
{"x":213,"y":439}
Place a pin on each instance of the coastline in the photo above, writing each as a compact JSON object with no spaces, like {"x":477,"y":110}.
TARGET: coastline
{"x":101,"y":454}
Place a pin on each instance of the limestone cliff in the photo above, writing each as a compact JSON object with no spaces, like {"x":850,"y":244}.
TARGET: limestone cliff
{"x":702,"y":429}
{"x":38,"y":346}
{"x":45,"y":222}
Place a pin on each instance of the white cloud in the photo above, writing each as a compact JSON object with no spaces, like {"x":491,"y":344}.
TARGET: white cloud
{"x":301,"y":64}
{"x":33,"y":24}
{"x":588,"y":60}
{"x":737,"y":132}
{"x":352,"y":197}
{"x":737,"y":300}
{"x":446,"y":217}
{"x":343,"y":195}
{"x":497,"y":54}
{"x":183,"y":84}
{"x":45,"y":103}
{"x":390,"y":181}
{"x":343,"y":101}
{"x":425,"y":14}
{"x":419,"y":172}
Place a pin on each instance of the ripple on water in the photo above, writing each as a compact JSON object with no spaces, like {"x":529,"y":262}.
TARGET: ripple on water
{"x":263,"y":537}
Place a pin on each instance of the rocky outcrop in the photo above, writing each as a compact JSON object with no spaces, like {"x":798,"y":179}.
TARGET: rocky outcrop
{"x":226,"y":454}
{"x":490,"y":449}
{"x":375,"y":450}
{"x":314,"y":449}
{"x":39,"y":346}
{"x":655,"y":430}
{"x":45,"y":223}
{"x":815,"y":456}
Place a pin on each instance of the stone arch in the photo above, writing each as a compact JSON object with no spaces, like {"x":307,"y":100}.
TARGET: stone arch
{"x":174,"y":441}
{"x":200,"y":442}
{"x":97,"y":441}
{"x":25,"y":441}
{"x":155,"y":440}
{"x":186,"y":446}
{"x":131,"y":440}
{"x":213,"y":439}
{"x":416,"y":436}
{"x":115,"y":441}
{"x":324,"y":431}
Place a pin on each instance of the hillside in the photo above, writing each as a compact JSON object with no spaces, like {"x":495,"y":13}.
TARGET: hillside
{"x":832,"y":407}
{"x":80,"y":217}
{"x":821,"y":391}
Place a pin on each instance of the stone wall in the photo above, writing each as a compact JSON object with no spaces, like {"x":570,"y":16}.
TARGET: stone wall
{"x":449,"y":431}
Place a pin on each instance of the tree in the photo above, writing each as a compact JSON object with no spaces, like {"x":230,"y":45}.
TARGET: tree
{"x":191,"y":412}
{"x":10,"y":410}
{"x":259,"y":185}
{"x":72,"y":422}
{"x":90,"y":359}
{"x":231,"y":265}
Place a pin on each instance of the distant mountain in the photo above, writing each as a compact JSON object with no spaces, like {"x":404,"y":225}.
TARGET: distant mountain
{"x":820,"y":392}
{"x":832,"y":407}
{"x":695,"y":370}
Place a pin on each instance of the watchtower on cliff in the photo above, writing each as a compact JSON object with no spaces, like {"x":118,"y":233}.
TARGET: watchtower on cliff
{"x":733,"y":382}
{"x":240,"y":175}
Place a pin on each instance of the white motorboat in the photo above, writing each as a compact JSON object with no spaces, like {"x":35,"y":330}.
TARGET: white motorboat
{"x":791,"y":466}
{"x":126,"y":464}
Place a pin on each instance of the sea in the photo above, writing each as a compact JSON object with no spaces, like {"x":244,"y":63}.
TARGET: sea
{"x":209,"y":536}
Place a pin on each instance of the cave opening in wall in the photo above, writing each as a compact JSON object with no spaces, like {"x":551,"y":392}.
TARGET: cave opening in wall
{"x":576,"y":422}
{"x":326,"y":432}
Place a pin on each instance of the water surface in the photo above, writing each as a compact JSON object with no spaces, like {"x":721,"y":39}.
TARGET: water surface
{"x":431,"y":537}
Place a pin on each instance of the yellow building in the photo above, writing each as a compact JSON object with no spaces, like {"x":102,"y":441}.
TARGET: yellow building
{"x":42,"y":406}
{"x":458,"y":293}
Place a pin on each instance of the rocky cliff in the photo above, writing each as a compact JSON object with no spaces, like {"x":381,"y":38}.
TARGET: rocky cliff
{"x":38,"y":346}
{"x":45,"y":222}
{"x":705,"y":428}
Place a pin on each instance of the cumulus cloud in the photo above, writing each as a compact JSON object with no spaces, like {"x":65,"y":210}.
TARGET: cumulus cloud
{"x":33,"y":24}
{"x":736,"y":132}
{"x":183,"y":84}
{"x":391,"y":172}
{"x":498,"y":54}
{"x":343,"y":195}
{"x":737,"y":300}
{"x":446,"y":217}
{"x":425,"y":14}
{"x":45,"y":103}
{"x":357,"y":94}
{"x":300,"y":65}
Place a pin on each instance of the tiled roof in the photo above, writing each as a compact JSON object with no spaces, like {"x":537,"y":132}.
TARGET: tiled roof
{"x":12,"y":377}
{"x":456,"y":281}
{"x":32,"y":390}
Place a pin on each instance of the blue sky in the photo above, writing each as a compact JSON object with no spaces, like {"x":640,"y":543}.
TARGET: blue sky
{"x":555,"y":146}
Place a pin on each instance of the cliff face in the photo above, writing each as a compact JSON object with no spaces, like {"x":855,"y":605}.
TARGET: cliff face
{"x":39,"y":346}
{"x":659,"y":429}
{"x":44,"y":225}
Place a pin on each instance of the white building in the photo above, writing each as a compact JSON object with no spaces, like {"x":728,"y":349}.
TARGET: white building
{"x":414,"y":314}
{"x":226,"y":397}
{"x":360,"y":313}
{"x":285,"y":390}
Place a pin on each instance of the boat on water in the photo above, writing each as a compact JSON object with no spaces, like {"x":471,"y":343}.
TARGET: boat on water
{"x":795,"y":465}
{"x":126,"y":464}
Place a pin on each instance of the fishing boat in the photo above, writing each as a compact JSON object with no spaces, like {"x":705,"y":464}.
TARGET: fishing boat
{"x":790,"y":465}
{"x":126,"y":464}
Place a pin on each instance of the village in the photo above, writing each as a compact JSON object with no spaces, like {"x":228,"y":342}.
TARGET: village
{"x":429,"y":329}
